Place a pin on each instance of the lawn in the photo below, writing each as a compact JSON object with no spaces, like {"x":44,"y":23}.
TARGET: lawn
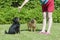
{"x":26,"y":35}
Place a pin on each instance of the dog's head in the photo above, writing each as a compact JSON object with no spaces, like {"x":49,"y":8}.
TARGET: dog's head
{"x":32,"y":20}
{"x":15,"y":20}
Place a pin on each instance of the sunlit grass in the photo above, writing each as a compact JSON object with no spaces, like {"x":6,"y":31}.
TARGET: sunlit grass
{"x":27,"y":35}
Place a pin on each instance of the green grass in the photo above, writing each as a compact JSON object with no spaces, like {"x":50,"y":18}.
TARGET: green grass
{"x":26,"y":35}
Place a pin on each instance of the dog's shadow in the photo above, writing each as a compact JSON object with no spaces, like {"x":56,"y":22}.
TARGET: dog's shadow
{"x":24,"y":30}
{"x":29,"y":30}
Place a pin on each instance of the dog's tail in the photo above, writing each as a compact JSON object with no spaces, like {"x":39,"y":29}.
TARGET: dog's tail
{"x":6,"y":32}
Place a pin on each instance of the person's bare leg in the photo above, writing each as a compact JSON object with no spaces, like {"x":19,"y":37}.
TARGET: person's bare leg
{"x":44,"y":22}
{"x":49,"y":21}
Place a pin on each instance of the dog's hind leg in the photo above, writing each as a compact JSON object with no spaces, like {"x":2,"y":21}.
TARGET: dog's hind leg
{"x":34,"y":29}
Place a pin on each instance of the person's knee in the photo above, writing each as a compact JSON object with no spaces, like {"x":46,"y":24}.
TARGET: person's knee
{"x":44,"y":15}
{"x":44,"y":18}
{"x":49,"y":15}
{"x":49,"y":18}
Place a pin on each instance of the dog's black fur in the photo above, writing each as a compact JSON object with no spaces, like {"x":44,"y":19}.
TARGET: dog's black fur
{"x":15,"y":27}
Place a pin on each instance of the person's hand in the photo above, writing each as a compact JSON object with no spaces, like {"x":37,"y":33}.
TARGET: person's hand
{"x":19,"y":9}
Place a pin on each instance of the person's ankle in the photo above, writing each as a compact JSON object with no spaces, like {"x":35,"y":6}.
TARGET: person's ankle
{"x":42,"y":31}
{"x":48,"y":31}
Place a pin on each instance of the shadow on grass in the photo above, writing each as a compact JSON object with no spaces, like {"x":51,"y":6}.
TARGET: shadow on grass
{"x":29,"y":30}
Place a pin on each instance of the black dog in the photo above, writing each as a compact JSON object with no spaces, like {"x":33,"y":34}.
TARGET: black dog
{"x":15,"y":27}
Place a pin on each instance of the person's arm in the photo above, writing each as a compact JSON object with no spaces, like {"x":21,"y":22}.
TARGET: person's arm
{"x":23,"y":4}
